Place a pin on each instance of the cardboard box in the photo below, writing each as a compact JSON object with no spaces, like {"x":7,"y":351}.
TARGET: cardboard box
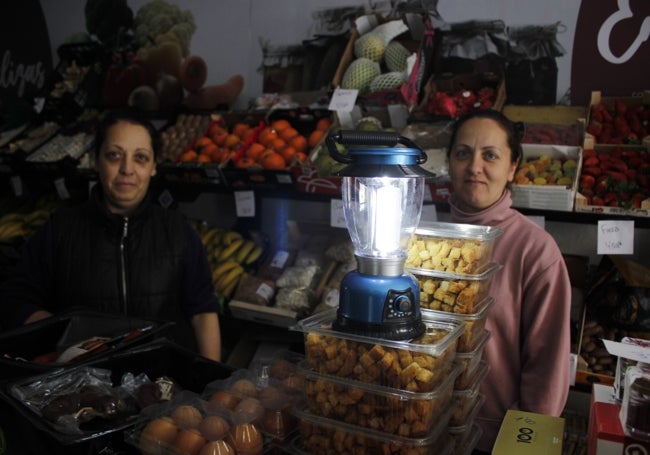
{"x":408,"y":40}
{"x":529,"y":433}
{"x":597,"y":97}
{"x":606,"y":435}
{"x":582,"y":202}
{"x":560,"y":125}
{"x":548,"y":197}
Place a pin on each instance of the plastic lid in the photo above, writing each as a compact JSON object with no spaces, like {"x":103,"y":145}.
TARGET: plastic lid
{"x":458,"y":230}
{"x":481,"y":311}
{"x":484,"y":273}
{"x":480,"y":345}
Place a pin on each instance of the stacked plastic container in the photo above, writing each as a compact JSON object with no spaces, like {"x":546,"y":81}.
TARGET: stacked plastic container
{"x":367,"y":395}
{"x":452,"y":263}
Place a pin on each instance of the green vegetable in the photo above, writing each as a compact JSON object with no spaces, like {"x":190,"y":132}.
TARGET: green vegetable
{"x":109,"y":20}
{"x":159,"y":17}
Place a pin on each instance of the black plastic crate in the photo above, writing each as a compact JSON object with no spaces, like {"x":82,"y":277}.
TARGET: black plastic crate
{"x":24,"y":350}
{"x":27,"y":432}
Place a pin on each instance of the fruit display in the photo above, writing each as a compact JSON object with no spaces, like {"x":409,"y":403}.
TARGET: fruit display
{"x":619,"y":123}
{"x":21,"y":226}
{"x":185,"y":129}
{"x":378,"y":62}
{"x":615,"y":178}
{"x":230,"y":254}
{"x":545,"y":170}
{"x":540,"y":133}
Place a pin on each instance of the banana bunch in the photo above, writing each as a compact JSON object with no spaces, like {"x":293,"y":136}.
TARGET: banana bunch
{"x":229,"y":254}
{"x":16,"y":225}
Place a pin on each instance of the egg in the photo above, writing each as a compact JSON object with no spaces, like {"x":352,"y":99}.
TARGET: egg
{"x":224,"y":398}
{"x":272,"y":398}
{"x":281,"y":368}
{"x":248,"y":410}
{"x":188,"y":442}
{"x":244,"y":387}
{"x":214,"y":427}
{"x":217,"y":448}
{"x":246,"y":439}
{"x":157,"y":434}
{"x":294,"y":381}
{"x":187,"y":416}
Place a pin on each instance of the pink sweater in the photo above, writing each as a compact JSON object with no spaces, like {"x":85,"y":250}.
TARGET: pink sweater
{"x":528,"y":352}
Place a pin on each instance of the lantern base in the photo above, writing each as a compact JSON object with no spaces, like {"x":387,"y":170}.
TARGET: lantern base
{"x":385,"y":307}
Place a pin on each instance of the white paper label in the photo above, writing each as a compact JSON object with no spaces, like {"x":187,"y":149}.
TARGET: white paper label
{"x":343,"y":100}
{"x":265,"y":291}
{"x":398,"y":114}
{"x":284,"y":178}
{"x":280,"y":259}
{"x":245,"y":203}
{"x":61,"y":189}
{"x":615,"y":237}
{"x":16,"y":185}
{"x":337,"y":219}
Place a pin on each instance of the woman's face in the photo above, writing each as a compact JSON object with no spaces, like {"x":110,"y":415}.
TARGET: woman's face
{"x":480,"y":164}
{"x":125,"y":165}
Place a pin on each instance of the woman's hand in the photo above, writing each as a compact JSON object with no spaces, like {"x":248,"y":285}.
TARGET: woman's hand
{"x":38,"y":316}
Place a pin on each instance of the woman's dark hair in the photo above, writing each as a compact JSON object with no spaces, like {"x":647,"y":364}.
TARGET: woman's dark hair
{"x":114,"y":117}
{"x":513,"y":130}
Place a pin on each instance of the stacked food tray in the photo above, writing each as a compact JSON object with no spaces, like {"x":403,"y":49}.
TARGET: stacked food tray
{"x":369,"y":395}
{"x":452,"y":263}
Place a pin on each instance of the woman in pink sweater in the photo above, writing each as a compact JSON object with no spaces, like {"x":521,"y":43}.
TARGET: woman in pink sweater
{"x":528,"y":352}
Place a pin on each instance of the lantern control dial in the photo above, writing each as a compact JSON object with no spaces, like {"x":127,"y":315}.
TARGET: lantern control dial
{"x":399,"y":304}
{"x":403,"y":304}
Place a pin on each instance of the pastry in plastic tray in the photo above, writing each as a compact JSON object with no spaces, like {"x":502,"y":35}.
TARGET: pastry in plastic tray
{"x":418,"y":365}
{"x":386,"y":409}
{"x":468,"y":416}
{"x":470,"y":362}
{"x":474,"y":324}
{"x":451,"y":247}
{"x":465,"y":438}
{"x":452,"y":292}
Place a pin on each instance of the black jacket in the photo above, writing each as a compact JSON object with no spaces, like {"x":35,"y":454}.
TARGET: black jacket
{"x":149,"y":265}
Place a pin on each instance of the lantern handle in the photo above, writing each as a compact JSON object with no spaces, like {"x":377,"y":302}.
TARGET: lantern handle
{"x":380,"y":138}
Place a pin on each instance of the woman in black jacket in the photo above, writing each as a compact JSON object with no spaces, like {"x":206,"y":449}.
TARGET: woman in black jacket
{"x":119,"y":252}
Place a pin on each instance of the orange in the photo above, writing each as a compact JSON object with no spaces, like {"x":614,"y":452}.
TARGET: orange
{"x":189,"y":156}
{"x":299,"y":143}
{"x":315,"y":137}
{"x":288,"y":153}
{"x":209,"y":149}
{"x":254,"y":150}
{"x":215,"y":128}
{"x":263,"y":154}
{"x":232,"y":141}
{"x":288,"y":133}
{"x":273,"y":161}
{"x":202,"y":142}
{"x":302,"y":157}
{"x":280,"y":124}
{"x":266,"y":136}
{"x":219,"y":136}
{"x":278,"y":143}
{"x":323,"y":124}
{"x":203,"y":158}
{"x":247,"y":134}
{"x":244,"y":162}
{"x":240,"y":128}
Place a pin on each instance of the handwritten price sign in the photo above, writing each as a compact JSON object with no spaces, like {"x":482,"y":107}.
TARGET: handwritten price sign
{"x":615,"y":237}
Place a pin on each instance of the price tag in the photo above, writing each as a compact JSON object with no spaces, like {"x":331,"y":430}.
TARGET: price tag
{"x":16,"y":185}
{"x":166,"y":199}
{"x":615,"y":237}
{"x":364,"y":24}
{"x":337,"y":219}
{"x":284,"y":178}
{"x":61,"y":189}
{"x":398,"y":114}
{"x":245,"y":204}
{"x":343,"y":100}
{"x":279,"y":259}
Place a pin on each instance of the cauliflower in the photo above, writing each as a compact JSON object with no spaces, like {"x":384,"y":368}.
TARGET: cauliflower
{"x":159,"y":17}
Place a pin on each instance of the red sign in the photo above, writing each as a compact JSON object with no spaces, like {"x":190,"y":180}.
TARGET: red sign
{"x":611,"y":49}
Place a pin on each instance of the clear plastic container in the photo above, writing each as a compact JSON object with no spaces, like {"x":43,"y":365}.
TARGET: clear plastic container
{"x":454,"y":292}
{"x":470,"y":362}
{"x":386,"y":409}
{"x":322,"y":436}
{"x":464,"y":400}
{"x":451,"y":247}
{"x":418,"y":365}
{"x":474,"y":324}
{"x":470,"y":416}
{"x":465,"y":438}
